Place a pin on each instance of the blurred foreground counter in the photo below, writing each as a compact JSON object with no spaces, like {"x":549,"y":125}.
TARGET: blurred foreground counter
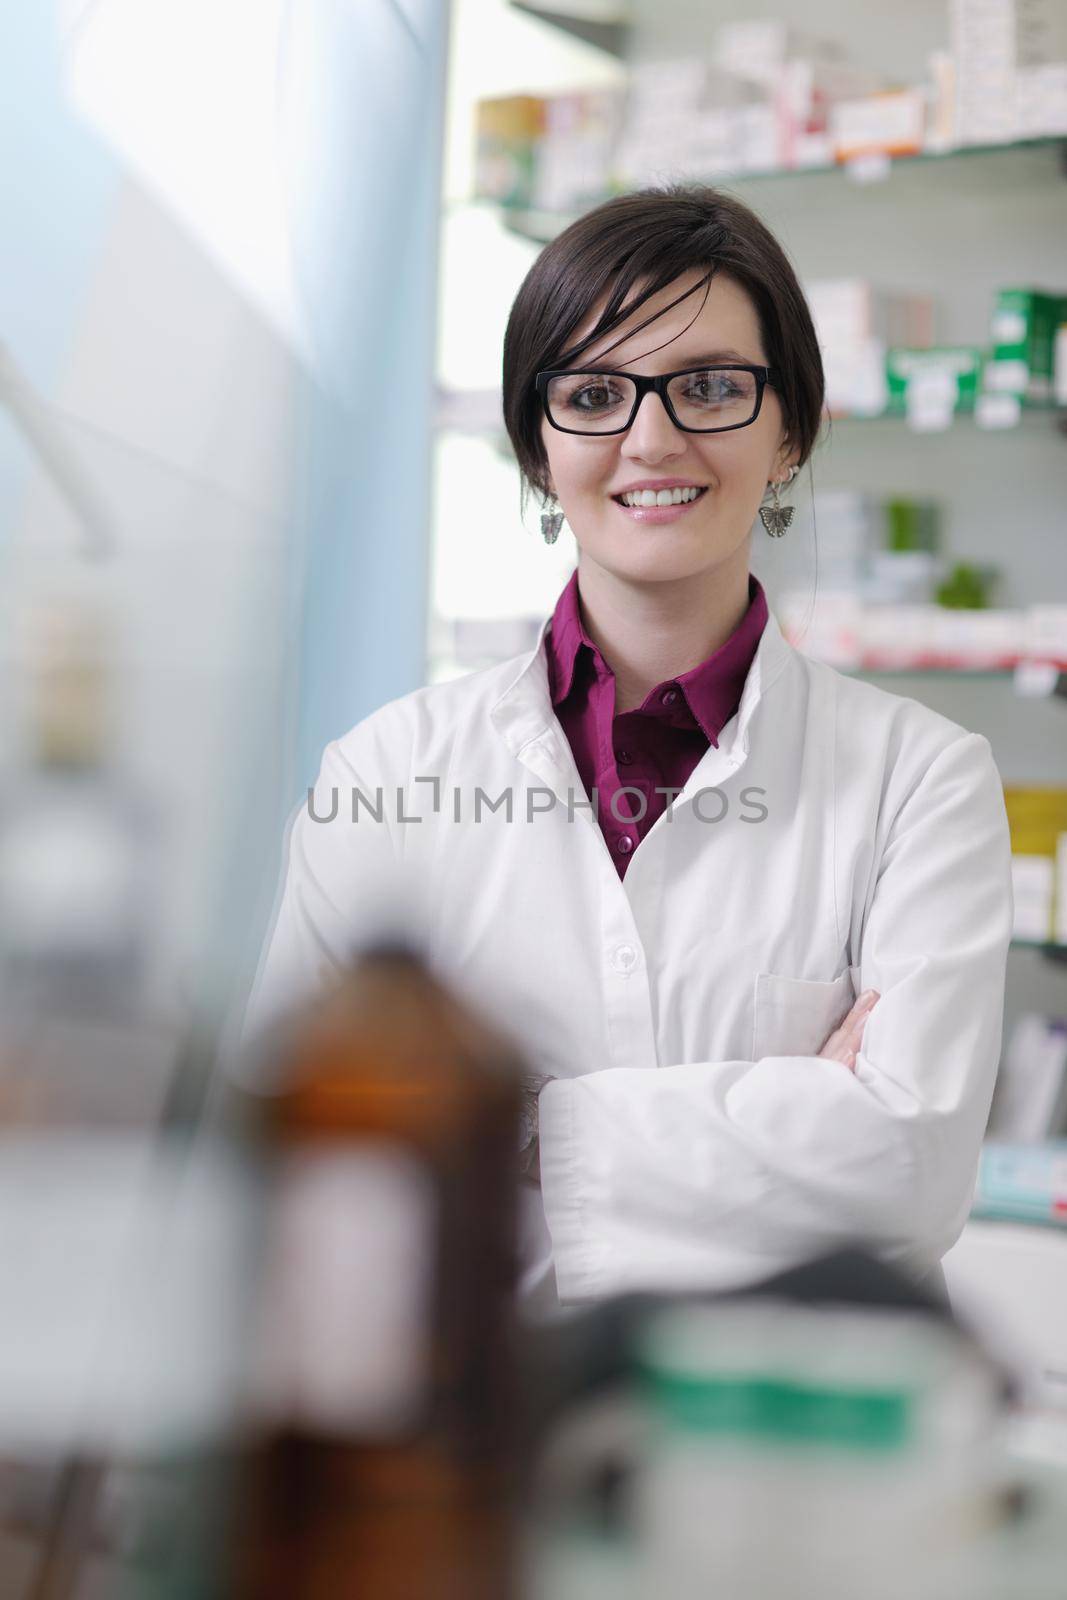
{"x":279,"y":1358}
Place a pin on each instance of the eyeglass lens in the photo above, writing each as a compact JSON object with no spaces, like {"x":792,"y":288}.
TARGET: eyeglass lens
{"x":707,"y":398}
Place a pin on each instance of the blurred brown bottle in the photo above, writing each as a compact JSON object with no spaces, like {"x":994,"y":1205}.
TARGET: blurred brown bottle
{"x":383,"y":1462}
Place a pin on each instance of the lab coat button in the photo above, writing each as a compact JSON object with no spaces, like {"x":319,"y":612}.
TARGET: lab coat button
{"x":625,"y":845}
{"x":624,"y":757}
{"x":624,"y":958}
{"x":670,"y":696}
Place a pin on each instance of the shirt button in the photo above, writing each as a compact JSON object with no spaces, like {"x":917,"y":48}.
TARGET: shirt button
{"x":625,"y":845}
{"x":624,"y":757}
{"x":670,"y":696}
{"x":624,"y":958}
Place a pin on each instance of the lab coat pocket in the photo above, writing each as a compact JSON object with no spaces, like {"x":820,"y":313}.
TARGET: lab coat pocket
{"x":796,"y":1016}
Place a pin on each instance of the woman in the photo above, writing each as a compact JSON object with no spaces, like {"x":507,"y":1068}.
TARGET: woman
{"x":749,"y":917}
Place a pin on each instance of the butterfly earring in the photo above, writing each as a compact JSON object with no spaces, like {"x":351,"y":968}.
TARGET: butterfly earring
{"x":776,"y":517}
{"x":551,"y":520}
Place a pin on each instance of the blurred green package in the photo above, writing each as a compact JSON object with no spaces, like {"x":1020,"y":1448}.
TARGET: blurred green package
{"x":912,"y":524}
{"x":967,"y":587}
{"x":955,"y":371}
{"x":1023,"y":334}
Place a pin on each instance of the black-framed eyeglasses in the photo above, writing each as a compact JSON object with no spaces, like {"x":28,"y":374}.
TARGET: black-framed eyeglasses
{"x":707,"y":399}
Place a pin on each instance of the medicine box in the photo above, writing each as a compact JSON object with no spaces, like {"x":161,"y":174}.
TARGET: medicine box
{"x":892,"y":123}
{"x":1023,"y":333}
{"x":574,"y":158}
{"x":508,"y":134}
{"x":685,"y":115}
{"x":758,"y":48}
{"x":846,"y":310}
{"x":954,"y":370}
{"x":1037,"y":819}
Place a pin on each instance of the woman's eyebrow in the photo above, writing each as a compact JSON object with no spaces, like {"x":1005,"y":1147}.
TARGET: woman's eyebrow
{"x":686,"y":363}
{"x":720,"y":356}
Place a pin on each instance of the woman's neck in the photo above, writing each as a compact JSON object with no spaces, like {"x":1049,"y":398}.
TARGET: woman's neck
{"x":648,"y":633}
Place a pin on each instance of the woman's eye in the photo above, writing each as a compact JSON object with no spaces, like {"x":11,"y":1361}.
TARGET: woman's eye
{"x":711,"y":387}
{"x":593,"y":397}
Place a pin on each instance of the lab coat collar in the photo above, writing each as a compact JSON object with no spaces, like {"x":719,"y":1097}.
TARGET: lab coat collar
{"x":773,"y":654}
{"x":524,"y":717}
{"x":711,"y":690}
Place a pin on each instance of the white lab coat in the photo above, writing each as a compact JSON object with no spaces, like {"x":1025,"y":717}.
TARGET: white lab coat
{"x":692,"y":1138}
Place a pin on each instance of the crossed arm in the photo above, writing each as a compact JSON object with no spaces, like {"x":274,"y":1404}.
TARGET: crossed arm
{"x":711,"y":1174}
{"x":843,"y":1045}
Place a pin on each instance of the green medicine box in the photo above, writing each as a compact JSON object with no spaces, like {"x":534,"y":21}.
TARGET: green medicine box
{"x":1023,"y":336}
{"x":912,"y":525}
{"x":948,"y":375}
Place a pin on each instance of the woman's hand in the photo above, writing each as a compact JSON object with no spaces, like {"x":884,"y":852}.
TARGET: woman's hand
{"x":529,"y":1127}
{"x":843,"y":1044}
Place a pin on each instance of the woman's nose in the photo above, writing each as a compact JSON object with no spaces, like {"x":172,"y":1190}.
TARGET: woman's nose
{"x":652,"y":435}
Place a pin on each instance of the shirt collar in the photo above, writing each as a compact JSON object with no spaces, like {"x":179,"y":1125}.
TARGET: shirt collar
{"x":565,"y":639}
{"x":712,"y":689}
{"x":523,"y":717}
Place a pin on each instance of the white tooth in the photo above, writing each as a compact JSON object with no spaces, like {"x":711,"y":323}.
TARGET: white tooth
{"x":664,"y":497}
{"x":690,"y":494}
{"x":648,"y":497}
{"x":676,"y":496}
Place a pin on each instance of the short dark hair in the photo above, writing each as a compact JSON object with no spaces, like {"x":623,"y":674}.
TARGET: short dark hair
{"x":653,"y":236}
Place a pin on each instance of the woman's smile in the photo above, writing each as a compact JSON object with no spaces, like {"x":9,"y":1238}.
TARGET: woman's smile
{"x":659,"y":500}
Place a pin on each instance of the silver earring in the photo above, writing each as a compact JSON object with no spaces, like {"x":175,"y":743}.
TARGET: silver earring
{"x":551,"y":520}
{"x":776,"y":517}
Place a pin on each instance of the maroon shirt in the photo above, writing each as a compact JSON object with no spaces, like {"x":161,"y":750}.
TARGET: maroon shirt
{"x":660,"y":742}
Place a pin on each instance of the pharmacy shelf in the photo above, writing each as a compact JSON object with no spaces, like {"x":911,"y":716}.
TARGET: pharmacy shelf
{"x":867,"y":669}
{"x":1033,"y":680}
{"x":929,"y":669}
{"x":542,"y":226}
{"x":1027,"y":414}
{"x":453,"y":666}
{"x":1051,"y":951}
{"x":602,"y":24}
